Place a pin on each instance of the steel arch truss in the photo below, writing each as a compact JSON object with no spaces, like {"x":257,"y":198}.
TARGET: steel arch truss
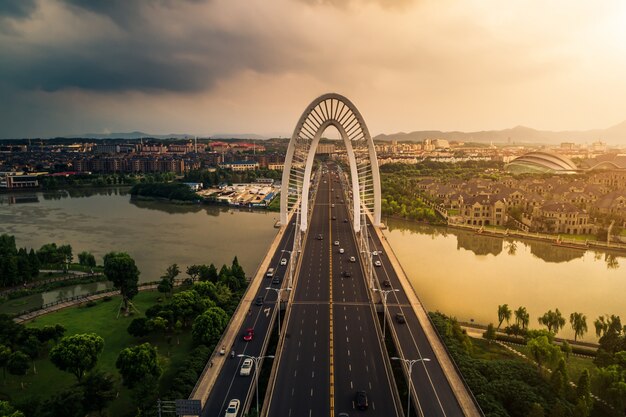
{"x":331,"y":110}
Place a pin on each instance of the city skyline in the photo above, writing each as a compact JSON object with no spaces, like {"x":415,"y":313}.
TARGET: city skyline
{"x":75,"y":67}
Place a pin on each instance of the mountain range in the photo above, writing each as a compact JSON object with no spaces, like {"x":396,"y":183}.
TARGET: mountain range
{"x":520,"y":134}
{"x":139,"y":135}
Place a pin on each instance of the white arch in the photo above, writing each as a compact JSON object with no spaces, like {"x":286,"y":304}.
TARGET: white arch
{"x":331,"y":110}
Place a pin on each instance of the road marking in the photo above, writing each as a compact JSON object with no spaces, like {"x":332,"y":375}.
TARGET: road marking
{"x":267,"y":311}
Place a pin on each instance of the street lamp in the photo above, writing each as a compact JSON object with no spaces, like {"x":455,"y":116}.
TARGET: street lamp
{"x":409,"y":363}
{"x":371,"y":267}
{"x":385,"y":293}
{"x":256,"y":360}
{"x":278,"y":291}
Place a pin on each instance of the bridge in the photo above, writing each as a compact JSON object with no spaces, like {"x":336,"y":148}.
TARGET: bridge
{"x":315,"y":303}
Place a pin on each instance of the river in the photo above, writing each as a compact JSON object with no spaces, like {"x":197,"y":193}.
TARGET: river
{"x":453,"y":271}
{"x":467,"y":275}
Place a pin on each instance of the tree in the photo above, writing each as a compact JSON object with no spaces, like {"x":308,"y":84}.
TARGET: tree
{"x":137,"y":363}
{"x":186,"y":305}
{"x":560,"y":379}
{"x":6,"y":410}
{"x":77,"y":353}
{"x":536,"y":410}
{"x":165,"y":286}
{"x":98,"y":390}
{"x":5,"y":353}
{"x":17,"y":364}
{"x":86,"y":259}
{"x":120,"y":269}
{"x":543,"y":351}
{"x":140,"y":327}
{"x":211,"y":274}
{"x":583,"y":391}
{"x":522,"y":317}
{"x":504,"y":313}
{"x":490,"y":333}
{"x":566,"y":348}
{"x":208,"y":327}
{"x":554,"y":321}
{"x":579,"y":324}
{"x":169,"y":278}
{"x":611,"y":384}
{"x":67,"y":403}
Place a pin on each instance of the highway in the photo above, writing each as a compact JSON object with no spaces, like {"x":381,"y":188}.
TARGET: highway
{"x":230,"y":385}
{"x":331,"y":349}
{"x":434,"y":394}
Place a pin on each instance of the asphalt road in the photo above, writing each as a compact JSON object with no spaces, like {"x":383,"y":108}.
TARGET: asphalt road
{"x":229,"y":384}
{"x":434,"y":394}
{"x":318,"y":375}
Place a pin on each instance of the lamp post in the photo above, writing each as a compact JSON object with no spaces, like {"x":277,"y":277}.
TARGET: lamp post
{"x":409,"y":363}
{"x":370,"y":267}
{"x":278,"y":291}
{"x":385,"y":293}
{"x":257,"y":360}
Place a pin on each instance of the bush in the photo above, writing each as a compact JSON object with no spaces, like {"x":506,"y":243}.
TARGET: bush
{"x":90,"y":303}
{"x":107,"y":298}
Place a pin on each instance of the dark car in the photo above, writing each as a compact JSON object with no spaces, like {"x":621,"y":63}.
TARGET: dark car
{"x":386,"y":283}
{"x":346,"y":274}
{"x":400,"y":318}
{"x":360,"y":400}
{"x":259,"y":301}
{"x":334,"y":218}
{"x":276,"y":280}
{"x":320,"y":237}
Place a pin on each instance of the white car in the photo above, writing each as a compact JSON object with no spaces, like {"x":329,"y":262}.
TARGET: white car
{"x":352,"y":259}
{"x":246,"y":367}
{"x":341,"y":250}
{"x":283,"y":261}
{"x":336,"y":243}
{"x":375,"y":253}
{"x":233,"y":408}
{"x":377,"y":263}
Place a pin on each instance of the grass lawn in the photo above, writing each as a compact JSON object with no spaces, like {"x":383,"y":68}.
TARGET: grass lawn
{"x":575,"y":364}
{"x":100,"y":319}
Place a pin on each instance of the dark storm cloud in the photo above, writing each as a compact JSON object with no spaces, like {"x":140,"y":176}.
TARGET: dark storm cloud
{"x":140,"y":57}
{"x":122,"y":12}
{"x":17,"y":9}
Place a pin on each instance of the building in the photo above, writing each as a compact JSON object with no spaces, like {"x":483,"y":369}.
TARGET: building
{"x":240,"y":165}
{"x":326,"y":148}
{"x":541,"y":163}
{"x":16,"y":181}
{"x":562,"y":217}
{"x":484,"y":211}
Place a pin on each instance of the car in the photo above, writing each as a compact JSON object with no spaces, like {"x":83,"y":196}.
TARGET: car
{"x":400,"y":318}
{"x":246,"y":367}
{"x":345,"y":220}
{"x":270,"y":273}
{"x":276,"y":280}
{"x":346,"y":274}
{"x":248,"y":335}
{"x":336,"y":243}
{"x":375,"y":253}
{"x":377,"y":263}
{"x":233,"y":408}
{"x":332,"y":205}
{"x":259,"y":301}
{"x":283,"y":261}
{"x":360,"y":400}
{"x":343,"y":415}
{"x":334,"y":217}
{"x":332,"y":189}
{"x":341,"y":201}
{"x":386,"y":283}
{"x":341,"y":250}
{"x":352,"y":259}
{"x":320,"y":237}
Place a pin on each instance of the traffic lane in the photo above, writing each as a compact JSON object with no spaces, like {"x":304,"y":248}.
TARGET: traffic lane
{"x":359,"y":362}
{"x":227,"y":385}
{"x":434,"y":393}
{"x":301,"y":387}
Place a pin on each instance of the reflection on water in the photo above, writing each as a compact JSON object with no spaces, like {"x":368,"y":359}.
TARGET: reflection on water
{"x":156,"y":234}
{"x":18,"y":198}
{"x":73,"y":291}
{"x":468,"y":275}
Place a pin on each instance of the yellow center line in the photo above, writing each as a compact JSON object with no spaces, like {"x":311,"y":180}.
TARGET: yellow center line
{"x":330,"y":306}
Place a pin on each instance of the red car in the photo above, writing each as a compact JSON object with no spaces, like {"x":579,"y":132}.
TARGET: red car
{"x":249,"y":335}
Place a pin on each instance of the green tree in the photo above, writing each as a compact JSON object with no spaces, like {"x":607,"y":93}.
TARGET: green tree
{"x":165,"y":286}
{"x":504,"y":313}
{"x":17,"y":364}
{"x":583,"y":393}
{"x":543,"y":351}
{"x":120,"y":269}
{"x":98,"y":390}
{"x":7,"y":410}
{"x":553,"y":320}
{"x":490,"y":333}
{"x":208,"y":327}
{"x":566,"y":348}
{"x":560,"y":379}
{"x":77,"y":353}
{"x":536,"y":410}
{"x":579,"y":324}
{"x":138,"y":363}
{"x":170,"y":275}
{"x":186,"y":305}
{"x":86,"y":259}
{"x":611,"y":382}
{"x":522,"y":317}
{"x":5,"y":353}
{"x":140,"y":327}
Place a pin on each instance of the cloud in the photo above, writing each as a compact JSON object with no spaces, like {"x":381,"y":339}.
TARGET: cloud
{"x":345,"y":4}
{"x":17,"y":9}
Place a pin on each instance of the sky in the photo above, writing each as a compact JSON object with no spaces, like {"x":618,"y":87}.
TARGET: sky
{"x":251,"y":66}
